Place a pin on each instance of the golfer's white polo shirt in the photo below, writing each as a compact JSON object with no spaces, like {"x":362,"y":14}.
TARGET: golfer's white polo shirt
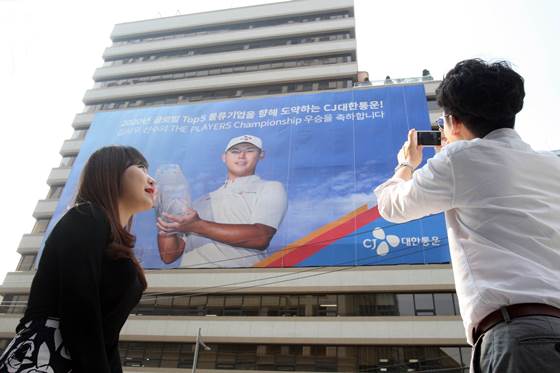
{"x":247,"y":200}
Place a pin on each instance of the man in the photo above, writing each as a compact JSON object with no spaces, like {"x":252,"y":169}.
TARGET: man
{"x":501,"y":201}
{"x":232,"y":226}
{"x":426,"y":76}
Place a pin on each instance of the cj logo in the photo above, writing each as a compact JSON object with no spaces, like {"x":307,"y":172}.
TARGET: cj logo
{"x":385,"y":241}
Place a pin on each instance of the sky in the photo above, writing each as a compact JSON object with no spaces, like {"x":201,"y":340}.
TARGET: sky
{"x":50,"y":50}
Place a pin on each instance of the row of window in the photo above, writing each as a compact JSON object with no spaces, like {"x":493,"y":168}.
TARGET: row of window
{"x":358,"y":304}
{"x":205,"y":30}
{"x":223,"y":48}
{"x":311,"y":358}
{"x":315,"y":358}
{"x":234,"y":69}
{"x":223,"y":94}
{"x":353,"y":304}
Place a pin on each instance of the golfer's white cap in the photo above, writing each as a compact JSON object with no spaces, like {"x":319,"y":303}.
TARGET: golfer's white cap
{"x":245,"y":138}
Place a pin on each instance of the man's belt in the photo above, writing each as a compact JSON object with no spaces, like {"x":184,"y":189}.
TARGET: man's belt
{"x":513,"y":311}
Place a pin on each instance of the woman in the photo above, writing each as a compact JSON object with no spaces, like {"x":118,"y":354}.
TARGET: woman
{"x":88,"y":279}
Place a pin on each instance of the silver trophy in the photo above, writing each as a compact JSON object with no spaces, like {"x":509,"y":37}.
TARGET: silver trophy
{"x":174,"y":193}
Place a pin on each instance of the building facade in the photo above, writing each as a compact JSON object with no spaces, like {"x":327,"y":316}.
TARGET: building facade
{"x":376,"y":319}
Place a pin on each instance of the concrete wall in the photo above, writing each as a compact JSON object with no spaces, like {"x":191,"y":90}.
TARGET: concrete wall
{"x":236,"y":15}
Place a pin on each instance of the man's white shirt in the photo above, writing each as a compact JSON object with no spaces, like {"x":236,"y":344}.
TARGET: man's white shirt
{"x":502,"y":209}
{"x":247,"y":200}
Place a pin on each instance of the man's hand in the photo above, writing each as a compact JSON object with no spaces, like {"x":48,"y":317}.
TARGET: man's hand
{"x":174,"y":224}
{"x":411,"y":152}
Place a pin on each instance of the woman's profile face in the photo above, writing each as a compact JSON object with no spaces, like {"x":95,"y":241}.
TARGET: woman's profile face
{"x":138,"y":189}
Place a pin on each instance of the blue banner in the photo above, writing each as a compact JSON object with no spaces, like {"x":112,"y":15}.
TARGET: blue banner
{"x":320,"y":155}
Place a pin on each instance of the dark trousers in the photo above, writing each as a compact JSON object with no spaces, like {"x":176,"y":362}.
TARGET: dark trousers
{"x":529,"y":344}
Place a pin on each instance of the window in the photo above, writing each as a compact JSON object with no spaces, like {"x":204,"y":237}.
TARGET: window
{"x":386,"y":304}
{"x":146,"y":306}
{"x":78,"y":134}
{"x":233,"y":305}
{"x":406,"y":304}
{"x":424,"y":304}
{"x":456,"y":303}
{"x":67,"y":161}
{"x":289,"y":305}
{"x":215,"y":305}
{"x":55,"y":192}
{"x":249,"y":68}
{"x":444,"y":304}
{"x":26,"y":262}
{"x":14,"y":303}
{"x":164,"y":303}
{"x":251,"y":305}
{"x":40,"y":226}
{"x":181,"y":305}
{"x":153,"y":355}
{"x":170,"y":355}
{"x":269,"y":305}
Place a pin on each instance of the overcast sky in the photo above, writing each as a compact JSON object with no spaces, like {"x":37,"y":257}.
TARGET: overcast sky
{"x":50,"y":49}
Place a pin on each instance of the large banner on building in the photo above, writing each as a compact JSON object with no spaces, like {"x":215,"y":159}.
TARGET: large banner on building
{"x":310,"y":164}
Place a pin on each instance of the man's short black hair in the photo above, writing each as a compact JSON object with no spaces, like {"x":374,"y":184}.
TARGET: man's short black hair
{"x":484,"y":96}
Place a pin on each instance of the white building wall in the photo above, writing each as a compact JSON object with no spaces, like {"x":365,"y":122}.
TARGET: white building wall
{"x":264,"y":33}
{"x":404,"y":330}
{"x":236,"y":15}
{"x":138,"y":91}
{"x":222,"y":59}
{"x":433,"y":277}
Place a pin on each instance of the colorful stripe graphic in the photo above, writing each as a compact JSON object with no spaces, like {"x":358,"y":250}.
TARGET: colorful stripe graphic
{"x":309,"y":245}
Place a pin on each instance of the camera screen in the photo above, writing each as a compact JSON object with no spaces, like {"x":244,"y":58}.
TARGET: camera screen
{"x":429,"y":138}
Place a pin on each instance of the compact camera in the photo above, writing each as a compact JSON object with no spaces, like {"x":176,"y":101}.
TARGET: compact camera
{"x":429,"y":138}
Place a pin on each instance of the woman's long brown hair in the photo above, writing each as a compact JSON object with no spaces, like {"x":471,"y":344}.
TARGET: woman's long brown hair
{"x":101,"y":184}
